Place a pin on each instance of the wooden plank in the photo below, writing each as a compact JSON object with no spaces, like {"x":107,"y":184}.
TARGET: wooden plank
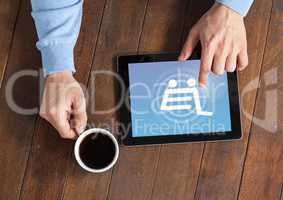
{"x":162,"y":31}
{"x":263,"y":172}
{"x":177,"y":173}
{"x":223,"y":162}
{"x":50,"y":155}
{"x":8,"y":12}
{"x":181,"y":163}
{"x":163,"y":26}
{"x":120,"y":31}
{"x":16,"y":129}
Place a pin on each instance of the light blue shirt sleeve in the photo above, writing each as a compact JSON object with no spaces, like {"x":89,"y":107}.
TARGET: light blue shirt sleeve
{"x":240,"y":6}
{"x":58,"y":25}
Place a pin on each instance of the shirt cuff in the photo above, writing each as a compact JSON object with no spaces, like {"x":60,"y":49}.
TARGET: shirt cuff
{"x":57,"y":58}
{"x":240,"y":6}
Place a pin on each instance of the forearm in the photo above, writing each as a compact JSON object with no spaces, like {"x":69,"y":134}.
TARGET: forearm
{"x":240,"y":6}
{"x":58,"y":25}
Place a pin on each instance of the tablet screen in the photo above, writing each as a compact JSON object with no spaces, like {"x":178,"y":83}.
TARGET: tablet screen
{"x":165,"y":99}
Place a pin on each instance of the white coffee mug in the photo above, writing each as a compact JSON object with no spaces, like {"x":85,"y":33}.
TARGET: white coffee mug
{"x":82,"y":137}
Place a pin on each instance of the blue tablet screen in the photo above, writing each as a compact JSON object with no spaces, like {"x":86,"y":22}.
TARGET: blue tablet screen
{"x":165,"y":99}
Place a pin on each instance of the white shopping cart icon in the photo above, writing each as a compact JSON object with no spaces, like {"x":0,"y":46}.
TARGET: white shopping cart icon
{"x":190,"y":89}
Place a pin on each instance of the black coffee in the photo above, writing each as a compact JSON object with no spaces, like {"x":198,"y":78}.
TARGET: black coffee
{"x":97,"y":150}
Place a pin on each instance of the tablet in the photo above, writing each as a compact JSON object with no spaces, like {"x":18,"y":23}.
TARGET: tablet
{"x":163,"y":103}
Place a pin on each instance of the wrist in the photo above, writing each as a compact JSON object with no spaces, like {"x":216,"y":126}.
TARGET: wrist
{"x":226,"y":10}
{"x":60,"y":75}
{"x":224,"y":15}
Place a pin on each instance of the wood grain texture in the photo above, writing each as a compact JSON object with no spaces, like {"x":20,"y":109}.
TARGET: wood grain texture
{"x":16,"y":129}
{"x":120,"y":30}
{"x":50,"y":156}
{"x":8,"y":16}
{"x":37,"y":164}
{"x":222,"y":163}
{"x":262,"y":178}
{"x":178,"y":166}
{"x":163,"y":27}
{"x":177,"y":172}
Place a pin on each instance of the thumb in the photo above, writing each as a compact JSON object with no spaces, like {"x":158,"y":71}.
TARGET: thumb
{"x":189,"y":46}
{"x":78,"y":123}
{"x":79,"y":116}
{"x":62,"y":125}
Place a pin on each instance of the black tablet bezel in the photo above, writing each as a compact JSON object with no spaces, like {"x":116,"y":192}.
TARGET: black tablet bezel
{"x":125,"y":115}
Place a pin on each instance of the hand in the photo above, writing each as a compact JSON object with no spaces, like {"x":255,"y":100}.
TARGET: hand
{"x":222,"y":34}
{"x":63,"y":104}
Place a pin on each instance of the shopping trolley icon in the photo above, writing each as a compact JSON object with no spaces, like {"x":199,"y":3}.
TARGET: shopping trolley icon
{"x":172,"y":90}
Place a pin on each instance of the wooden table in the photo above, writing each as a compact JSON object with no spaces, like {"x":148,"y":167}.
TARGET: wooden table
{"x":36,"y":164}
